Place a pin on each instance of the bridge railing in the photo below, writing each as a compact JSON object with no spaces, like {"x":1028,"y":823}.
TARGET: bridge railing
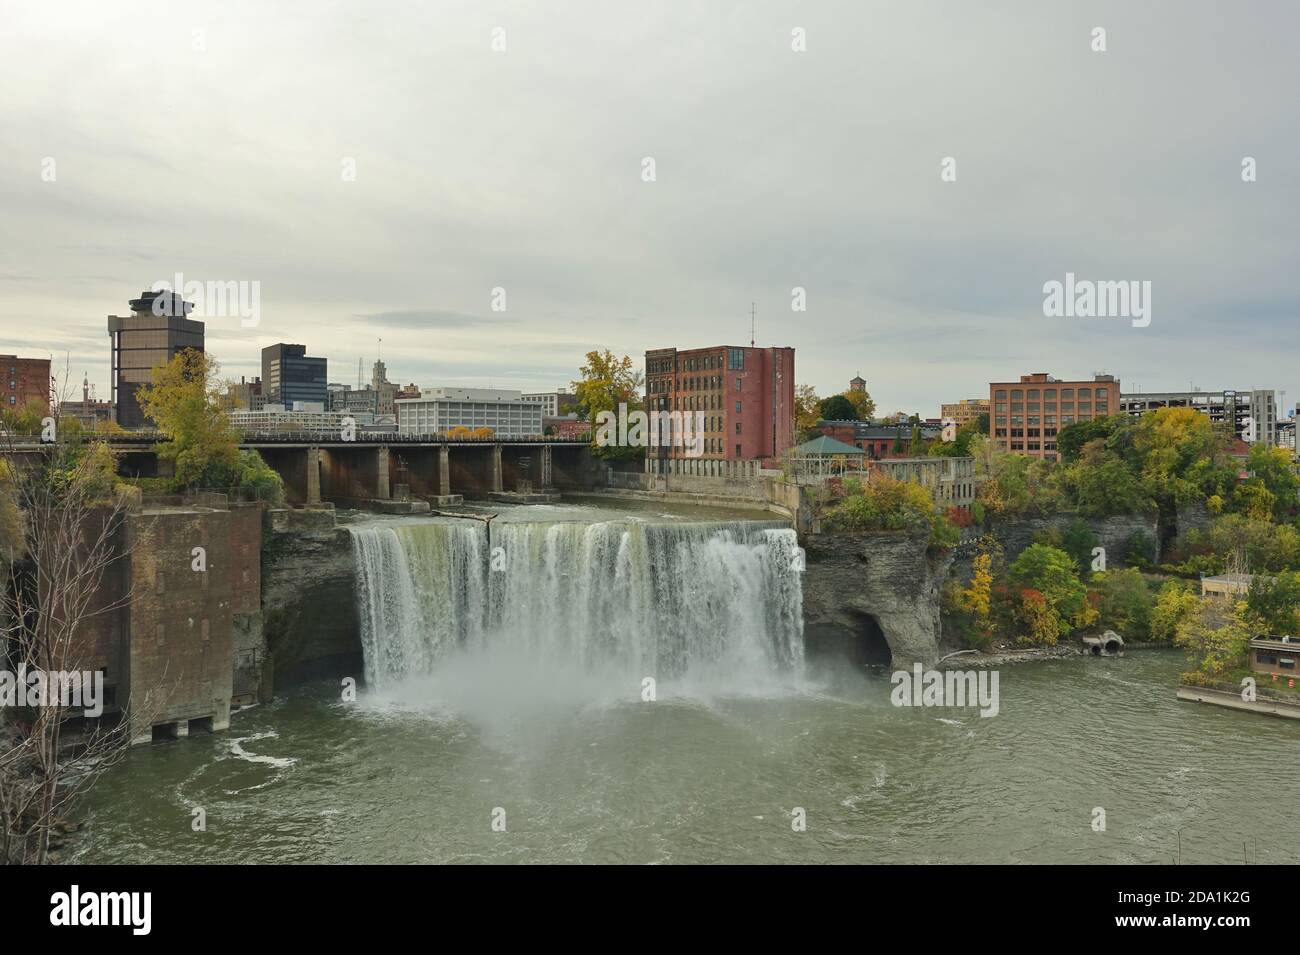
{"x":362,"y":437}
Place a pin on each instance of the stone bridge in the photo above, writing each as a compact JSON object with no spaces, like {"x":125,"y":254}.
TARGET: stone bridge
{"x":320,"y":467}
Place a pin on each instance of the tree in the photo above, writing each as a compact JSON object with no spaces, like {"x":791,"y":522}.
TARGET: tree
{"x":863,"y":404}
{"x":1140,"y":549}
{"x":1181,"y":457}
{"x":1101,"y":483}
{"x":185,"y":401}
{"x":1125,"y":603}
{"x":1272,"y":485}
{"x":1078,"y":541}
{"x":1216,"y":642}
{"x":1071,"y":439}
{"x":977,"y":599}
{"x":838,"y":408}
{"x":884,"y":503}
{"x":1274,"y":603}
{"x":807,"y":411}
{"x":1050,"y":591}
{"x":62,"y":535}
{"x":25,"y":420}
{"x":1174,"y":604}
{"x":960,"y":446}
{"x":605,"y":383}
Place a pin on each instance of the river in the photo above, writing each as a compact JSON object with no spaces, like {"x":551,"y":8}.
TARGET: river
{"x":531,"y":718}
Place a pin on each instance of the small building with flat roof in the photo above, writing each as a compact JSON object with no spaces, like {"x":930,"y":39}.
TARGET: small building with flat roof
{"x":1274,"y":654}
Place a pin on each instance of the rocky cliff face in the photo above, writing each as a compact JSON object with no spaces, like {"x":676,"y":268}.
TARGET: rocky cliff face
{"x":308,"y":598}
{"x":873,"y":597}
{"x":1015,"y":535}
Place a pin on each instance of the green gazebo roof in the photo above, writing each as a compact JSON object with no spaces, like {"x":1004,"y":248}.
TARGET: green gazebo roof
{"x":826,"y":446}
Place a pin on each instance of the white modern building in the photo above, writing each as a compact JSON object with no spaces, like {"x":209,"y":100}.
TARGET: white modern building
{"x":551,"y":402}
{"x":438,"y":410}
{"x":303,"y":416}
{"x":1251,"y":414}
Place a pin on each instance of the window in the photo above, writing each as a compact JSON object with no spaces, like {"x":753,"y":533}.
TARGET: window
{"x":736,"y":359}
{"x":737,"y":427}
{"x":737,"y":450}
{"x":737,"y":407}
{"x":738,"y":381}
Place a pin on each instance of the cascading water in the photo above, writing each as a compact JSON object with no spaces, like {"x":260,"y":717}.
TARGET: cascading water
{"x":668,"y":600}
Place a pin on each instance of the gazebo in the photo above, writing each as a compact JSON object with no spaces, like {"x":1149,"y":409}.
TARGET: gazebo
{"x":824,"y":456}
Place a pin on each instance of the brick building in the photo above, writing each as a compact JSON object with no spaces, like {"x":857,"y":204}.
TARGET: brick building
{"x":1027,"y":414}
{"x":154,"y":332}
{"x":878,"y":440}
{"x":179,"y":642}
{"x":26,"y":381}
{"x":745,"y":395}
{"x":963,"y":412}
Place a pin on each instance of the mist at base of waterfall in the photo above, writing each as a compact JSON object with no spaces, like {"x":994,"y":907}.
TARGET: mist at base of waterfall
{"x":467,"y":617}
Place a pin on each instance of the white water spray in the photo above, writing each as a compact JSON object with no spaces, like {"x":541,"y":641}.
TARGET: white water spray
{"x":689,"y":600}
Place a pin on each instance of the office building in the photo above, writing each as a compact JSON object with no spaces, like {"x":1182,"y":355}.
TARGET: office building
{"x":1027,"y":414}
{"x":963,"y":412}
{"x":1250,"y":414}
{"x":244,"y":395}
{"x":26,"y":382}
{"x":745,"y":394}
{"x":152,"y":335}
{"x":438,"y":410}
{"x":290,"y":375}
{"x":555,"y":404}
{"x":302,"y":416}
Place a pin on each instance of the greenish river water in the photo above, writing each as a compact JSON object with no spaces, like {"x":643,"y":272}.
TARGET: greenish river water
{"x":414,"y":773}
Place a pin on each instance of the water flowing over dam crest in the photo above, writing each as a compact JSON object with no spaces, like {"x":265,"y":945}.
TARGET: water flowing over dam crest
{"x":715,"y":602}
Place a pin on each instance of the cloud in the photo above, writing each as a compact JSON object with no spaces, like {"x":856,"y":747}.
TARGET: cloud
{"x":774,"y":169}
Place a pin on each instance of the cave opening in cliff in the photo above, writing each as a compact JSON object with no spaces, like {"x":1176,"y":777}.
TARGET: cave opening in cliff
{"x":869,"y":647}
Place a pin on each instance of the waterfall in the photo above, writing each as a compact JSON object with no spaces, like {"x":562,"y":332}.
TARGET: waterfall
{"x":668,"y":600}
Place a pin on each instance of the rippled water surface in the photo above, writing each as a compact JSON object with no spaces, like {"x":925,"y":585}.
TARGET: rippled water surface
{"x":586,"y":772}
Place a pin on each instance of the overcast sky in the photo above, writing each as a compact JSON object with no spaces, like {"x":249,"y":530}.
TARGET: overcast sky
{"x":209,"y":139}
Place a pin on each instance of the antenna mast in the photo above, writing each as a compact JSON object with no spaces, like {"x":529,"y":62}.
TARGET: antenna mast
{"x":753,"y":322}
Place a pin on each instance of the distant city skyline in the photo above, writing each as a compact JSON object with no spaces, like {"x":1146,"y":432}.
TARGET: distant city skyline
{"x":775,"y":170}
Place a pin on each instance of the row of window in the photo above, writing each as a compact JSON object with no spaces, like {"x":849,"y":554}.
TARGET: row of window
{"x":1018,"y":394}
{"x":1046,"y":419}
{"x":715,"y":446}
{"x":1084,"y":405}
{"x":1020,"y":433}
{"x":661,"y":386}
{"x":1033,"y":446}
{"x":1271,"y":659}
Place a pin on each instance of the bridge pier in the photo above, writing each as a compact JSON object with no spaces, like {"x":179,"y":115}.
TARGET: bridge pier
{"x":313,"y":476}
{"x":444,"y":471}
{"x":382,"y":483}
{"x":496,"y":468}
